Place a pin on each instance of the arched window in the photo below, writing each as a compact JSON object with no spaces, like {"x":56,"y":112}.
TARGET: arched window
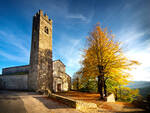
{"x":46,"y":29}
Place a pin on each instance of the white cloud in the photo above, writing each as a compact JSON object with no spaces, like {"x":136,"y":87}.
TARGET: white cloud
{"x":13,"y":57}
{"x":80,"y":17}
{"x":69,"y":51}
{"x":77,"y":16}
{"x":72,"y":56}
{"x":136,"y":48}
{"x":142,"y":72}
{"x":127,"y":35}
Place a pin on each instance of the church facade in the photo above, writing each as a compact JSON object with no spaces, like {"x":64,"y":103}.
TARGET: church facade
{"x":42,"y":72}
{"x":61,"y":80}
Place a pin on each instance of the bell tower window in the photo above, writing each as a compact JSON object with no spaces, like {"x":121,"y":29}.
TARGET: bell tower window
{"x":46,"y":29}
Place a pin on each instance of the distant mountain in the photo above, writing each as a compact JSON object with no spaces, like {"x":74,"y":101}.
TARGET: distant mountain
{"x":139,"y":84}
{"x":145,"y":91}
{"x":143,"y":86}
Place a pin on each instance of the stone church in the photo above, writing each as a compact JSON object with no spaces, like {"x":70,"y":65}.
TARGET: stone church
{"x":42,"y":72}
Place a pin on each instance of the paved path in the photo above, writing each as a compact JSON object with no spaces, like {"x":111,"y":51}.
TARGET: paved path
{"x":30,"y":102}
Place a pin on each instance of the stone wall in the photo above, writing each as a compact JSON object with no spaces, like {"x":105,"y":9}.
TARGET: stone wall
{"x":79,"y":105}
{"x":16,"y":69}
{"x":14,"y":82}
{"x":69,"y":81}
{"x":58,"y":66}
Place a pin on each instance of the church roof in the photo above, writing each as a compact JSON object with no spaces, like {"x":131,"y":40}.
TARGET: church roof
{"x":68,"y":75}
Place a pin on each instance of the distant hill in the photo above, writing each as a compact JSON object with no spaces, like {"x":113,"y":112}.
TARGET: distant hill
{"x":139,"y":84}
{"x":143,"y":86}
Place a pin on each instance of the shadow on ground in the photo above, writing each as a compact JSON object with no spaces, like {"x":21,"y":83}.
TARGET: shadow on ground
{"x":54,"y":104}
{"x":11,"y":103}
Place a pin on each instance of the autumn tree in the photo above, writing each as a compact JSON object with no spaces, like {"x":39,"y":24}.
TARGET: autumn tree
{"x":85,"y":84}
{"x":76,"y":81}
{"x":103,"y":58}
{"x":121,"y":91}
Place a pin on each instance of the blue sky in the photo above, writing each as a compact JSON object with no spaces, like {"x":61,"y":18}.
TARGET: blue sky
{"x":129,"y":20}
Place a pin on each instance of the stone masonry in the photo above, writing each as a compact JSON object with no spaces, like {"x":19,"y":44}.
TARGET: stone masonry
{"x":14,"y":82}
{"x":40,"y":74}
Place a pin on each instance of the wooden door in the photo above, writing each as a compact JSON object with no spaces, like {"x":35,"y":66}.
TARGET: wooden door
{"x":59,"y":87}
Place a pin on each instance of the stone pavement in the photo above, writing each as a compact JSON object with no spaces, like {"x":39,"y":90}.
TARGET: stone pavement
{"x":30,"y":102}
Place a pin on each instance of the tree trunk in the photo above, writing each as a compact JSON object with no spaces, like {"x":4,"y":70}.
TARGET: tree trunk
{"x":116,"y":92}
{"x":77,"y":83}
{"x":120,"y":92}
{"x":100,"y":87}
{"x":105,"y":88}
{"x":100,"y":81}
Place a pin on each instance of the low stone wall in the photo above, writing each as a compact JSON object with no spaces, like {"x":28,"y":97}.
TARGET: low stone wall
{"x":69,"y":102}
{"x":14,"y":82}
{"x":79,"y":105}
{"x":84,"y":106}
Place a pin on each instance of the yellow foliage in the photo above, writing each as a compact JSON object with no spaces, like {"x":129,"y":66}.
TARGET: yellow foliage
{"x":104,"y":51}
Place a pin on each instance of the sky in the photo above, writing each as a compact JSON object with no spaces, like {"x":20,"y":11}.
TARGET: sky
{"x":129,"y":21}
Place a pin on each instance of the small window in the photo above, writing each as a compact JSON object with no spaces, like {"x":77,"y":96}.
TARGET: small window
{"x":46,"y":29}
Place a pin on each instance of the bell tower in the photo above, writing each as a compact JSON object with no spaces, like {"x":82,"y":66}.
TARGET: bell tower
{"x":41,"y":71}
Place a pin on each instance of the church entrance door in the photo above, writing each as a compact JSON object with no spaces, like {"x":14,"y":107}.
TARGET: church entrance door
{"x":59,"y":87}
